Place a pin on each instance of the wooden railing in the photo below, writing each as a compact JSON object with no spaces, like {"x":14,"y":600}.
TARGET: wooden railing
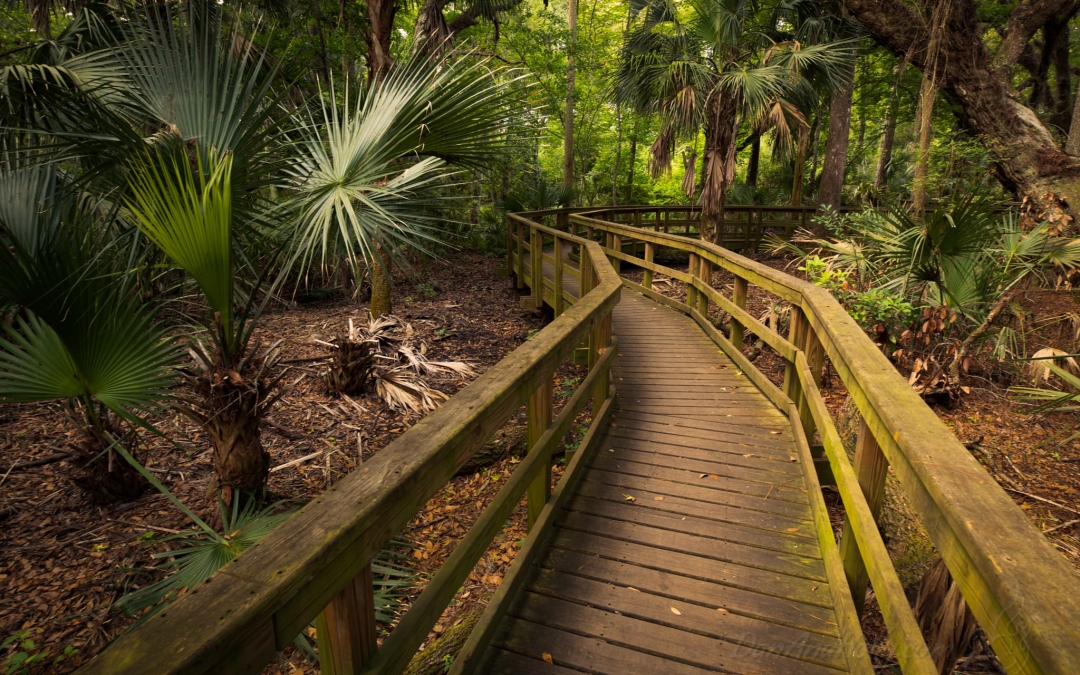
{"x":316,"y":565}
{"x":1021,"y":590}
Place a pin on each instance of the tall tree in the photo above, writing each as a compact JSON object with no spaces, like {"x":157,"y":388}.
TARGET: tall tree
{"x":1027,"y":159}
{"x":836,"y":143}
{"x":716,"y":66}
{"x":888,"y":131}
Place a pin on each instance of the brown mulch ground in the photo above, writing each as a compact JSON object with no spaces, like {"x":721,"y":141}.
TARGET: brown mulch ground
{"x":64,"y":561}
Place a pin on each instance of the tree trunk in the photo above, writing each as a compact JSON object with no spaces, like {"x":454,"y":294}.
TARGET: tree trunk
{"x":1028,"y":162}
{"x":234,"y":406}
{"x":1072,"y":145}
{"x":381,"y":290}
{"x":1062,"y":117}
{"x":718,"y":165}
{"x":925,"y":127}
{"x":568,"y":121}
{"x":888,"y":132}
{"x":836,"y":144}
{"x":800,"y":160}
{"x":618,"y":158}
{"x":378,"y":36}
{"x":813,"y":141}
{"x":755,"y":160}
{"x":629,"y":199}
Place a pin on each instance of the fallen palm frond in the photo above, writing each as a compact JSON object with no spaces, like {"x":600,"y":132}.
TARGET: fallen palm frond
{"x":385,"y":352}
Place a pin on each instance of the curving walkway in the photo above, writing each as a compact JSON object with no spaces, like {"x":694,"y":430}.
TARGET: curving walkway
{"x":688,"y":544}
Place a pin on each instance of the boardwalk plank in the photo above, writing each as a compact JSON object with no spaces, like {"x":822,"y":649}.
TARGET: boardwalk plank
{"x":694,"y":499}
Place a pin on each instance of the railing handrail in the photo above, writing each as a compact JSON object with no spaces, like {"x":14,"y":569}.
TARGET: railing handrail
{"x":237,"y":620}
{"x":1022,"y":591}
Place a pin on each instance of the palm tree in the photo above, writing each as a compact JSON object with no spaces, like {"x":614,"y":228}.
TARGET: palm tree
{"x":184,"y":130}
{"x":371,"y":172}
{"x":80,"y":335}
{"x":716,"y":65}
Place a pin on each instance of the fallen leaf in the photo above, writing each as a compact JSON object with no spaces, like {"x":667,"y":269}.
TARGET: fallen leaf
{"x":631,"y":588}
{"x":747,"y":455}
{"x":793,"y":459}
{"x":547,"y":659}
{"x":774,"y":432}
{"x":722,"y":610}
{"x":793,"y":529}
{"x":703,"y":475}
{"x":629,"y":498}
{"x":676,"y":612}
{"x":713,"y":476}
{"x":658,"y":499}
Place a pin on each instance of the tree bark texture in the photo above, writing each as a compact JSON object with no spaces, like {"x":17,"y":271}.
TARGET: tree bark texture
{"x":888,"y":132}
{"x":629,"y":199}
{"x":1027,"y":161}
{"x":924,"y":125}
{"x":800,"y":161}
{"x":718,"y":165}
{"x":836,"y":144}
{"x":381,"y":289}
{"x":378,"y":35}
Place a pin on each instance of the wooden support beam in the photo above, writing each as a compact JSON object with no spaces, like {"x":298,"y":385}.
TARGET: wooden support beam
{"x":538,"y":418}
{"x":705,"y":274}
{"x":345,"y":630}
{"x":691,"y":292}
{"x":520,"y":280}
{"x":558,"y":302}
{"x":650,"y":253}
{"x":871,"y":467}
{"x":796,"y":335}
{"x":739,"y":298}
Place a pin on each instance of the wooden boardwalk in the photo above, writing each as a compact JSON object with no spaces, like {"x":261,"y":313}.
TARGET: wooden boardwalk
{"x":688,"y":545}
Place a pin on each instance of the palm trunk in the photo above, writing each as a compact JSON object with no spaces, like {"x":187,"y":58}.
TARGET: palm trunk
{"x":836,"y":145}
{"x":718,"y":166}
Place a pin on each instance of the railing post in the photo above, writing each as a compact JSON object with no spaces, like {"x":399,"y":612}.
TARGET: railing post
{"x":520,"y":255}
{"x":691,"y":292}
{"x":538,"y":418}
{"x":705,"y":274}
{"x":792,"y":387}
{"x":871,"y":468}
{"x":599,"y":341}
{"x":345,"y":630}
{"x":558,"y":304}
{"x":815,"y":356}
{"x":562,"y":219}
{"x":509,"y":246}
{"x":616,"y":245}
{"x":537,"y":250}
{"x":650,"y":253}
{"x":739,"y":298}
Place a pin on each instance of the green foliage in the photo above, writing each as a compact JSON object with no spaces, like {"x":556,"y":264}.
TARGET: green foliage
{"x":23,"y":653}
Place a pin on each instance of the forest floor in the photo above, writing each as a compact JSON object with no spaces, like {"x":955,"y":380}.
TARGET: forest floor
{"x":64,"y":561}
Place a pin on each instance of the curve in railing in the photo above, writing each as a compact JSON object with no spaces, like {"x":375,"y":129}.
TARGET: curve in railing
{"x":316,"y":565}
{"x":1022,"y":591}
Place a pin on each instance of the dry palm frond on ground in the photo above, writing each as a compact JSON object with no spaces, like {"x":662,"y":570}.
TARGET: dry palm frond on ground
{"x":385,"y":352}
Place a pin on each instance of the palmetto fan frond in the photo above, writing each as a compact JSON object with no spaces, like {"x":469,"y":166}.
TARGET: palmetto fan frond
{"x":370,"y":171}
{"x":81,"y":335}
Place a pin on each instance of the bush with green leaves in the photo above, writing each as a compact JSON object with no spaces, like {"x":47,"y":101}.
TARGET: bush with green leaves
{"x":23,"y":653}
